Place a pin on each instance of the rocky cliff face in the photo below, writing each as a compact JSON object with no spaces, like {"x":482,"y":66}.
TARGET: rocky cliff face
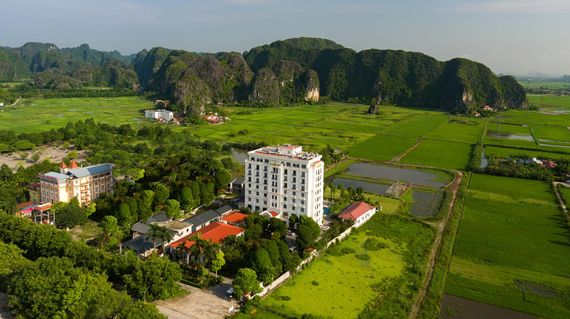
{"x":265,"y":88}
{"x":304,"y":69}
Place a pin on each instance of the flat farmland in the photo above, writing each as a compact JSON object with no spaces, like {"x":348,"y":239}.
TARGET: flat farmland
{"x":38,"y":115}
{"x":312,"y":126}
{"x":512,"y":248}
{"x":553,"y":101}
{"x":458,"y":129}
{"x":451,"y":155}
{"x":382,"y":147}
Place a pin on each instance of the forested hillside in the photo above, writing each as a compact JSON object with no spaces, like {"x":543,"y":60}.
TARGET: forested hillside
{"x":283,"y":72}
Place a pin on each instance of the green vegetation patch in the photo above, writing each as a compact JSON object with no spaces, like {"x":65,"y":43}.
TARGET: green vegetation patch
{"x":493,"y":151}
{"x":512,"y":232}
{"x":349,"y":283}
{"x":37,"y":115}
{"x":440,"y":154}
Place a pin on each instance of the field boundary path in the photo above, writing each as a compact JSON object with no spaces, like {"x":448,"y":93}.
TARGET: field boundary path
{"x":413,"y":147}
{"x":561,"y":202}
{"x":440,"y":228}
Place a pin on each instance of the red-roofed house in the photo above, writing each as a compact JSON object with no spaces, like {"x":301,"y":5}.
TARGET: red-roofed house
{"x":358,"y":212}
{"x":234,"y":218}
{"x":215,"y":233}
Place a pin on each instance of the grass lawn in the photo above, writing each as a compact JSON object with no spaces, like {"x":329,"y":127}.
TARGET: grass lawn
{"x":450,"y":155}
{"x":85,"y":232}
{"x":382,"y":147}
{"x":349,"y":277}
{"x":37,"y":115}
{"x":512,"y":248}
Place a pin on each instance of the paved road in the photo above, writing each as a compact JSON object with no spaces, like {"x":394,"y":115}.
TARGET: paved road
{"x":198,"y":304}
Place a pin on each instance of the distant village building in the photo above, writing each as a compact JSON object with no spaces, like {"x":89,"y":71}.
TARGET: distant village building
{"x":38,"y":213}
{"x":358,"y":212}
{"x":84,"y":183}
{"x":237,"y":186}
{"x":286,"y":180}
{"x":160,"y":115}
{"x":161,"y":103}
{"x":488,"y":108}
{"x":214,"y":118}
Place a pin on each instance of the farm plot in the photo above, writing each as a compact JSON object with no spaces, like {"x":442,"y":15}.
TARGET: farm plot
{"x":552,"y":134}
{"x":440,"y":154}
{"x":381,"y":147}
{"x":425,"y":203}
{"x":458,"y":130}
{"x":512,"y":248}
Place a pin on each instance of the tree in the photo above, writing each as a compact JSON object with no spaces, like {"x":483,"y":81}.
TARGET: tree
{"x":207,"y":192}
{"x":263,"y":266}
{"x":145,"y":204}
{"x":161,"y":193}
{"x":307,"y":232}
{"x":141,"y":310}
{"x":172,"y":208}
{"x":110,"y":231}
{"x":156,"y":278}
{"x":217,"y":262}
{"x":245,"y":283}
{"x":187,"y":200}
{"x":197,"y":252}
{"x":70,"y":214}
{"x":125,"y":214}
{"x":53,"y":288}
{"x":156,"y":233}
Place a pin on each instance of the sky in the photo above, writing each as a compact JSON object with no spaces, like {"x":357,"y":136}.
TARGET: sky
{"x":510,"y":36}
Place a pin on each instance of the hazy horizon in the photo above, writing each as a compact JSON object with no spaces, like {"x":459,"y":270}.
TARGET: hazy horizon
{"x":509,"y":36}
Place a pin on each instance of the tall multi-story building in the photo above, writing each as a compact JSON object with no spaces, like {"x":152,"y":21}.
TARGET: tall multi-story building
{"x":84,"y":183}
{"x":286,"y":180}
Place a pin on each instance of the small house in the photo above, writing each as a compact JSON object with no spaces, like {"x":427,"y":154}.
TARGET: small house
{"x":359,"y":213}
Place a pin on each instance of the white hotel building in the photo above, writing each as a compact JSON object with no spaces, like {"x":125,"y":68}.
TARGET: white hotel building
{"x":285,"y":180}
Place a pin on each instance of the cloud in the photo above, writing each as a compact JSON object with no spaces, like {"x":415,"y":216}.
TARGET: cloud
{"x":512,"y":7}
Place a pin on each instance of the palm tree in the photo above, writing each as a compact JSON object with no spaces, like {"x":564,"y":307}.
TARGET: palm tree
{"x":157,"y":232}
{"x":199,"y":249}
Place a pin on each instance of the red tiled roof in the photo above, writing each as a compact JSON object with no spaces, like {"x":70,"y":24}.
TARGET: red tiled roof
{"x":62,"y":165}
{"x":215,"y":232}
{"x":274,"y":214}
{"x":24,"y":205}
{"x":235,"y":217}
{"x":73,"y":164}
{"x":356,"y":210}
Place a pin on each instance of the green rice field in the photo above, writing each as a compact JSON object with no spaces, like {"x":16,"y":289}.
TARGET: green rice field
{"x":512,"y":248}
{"x":450,"y":155}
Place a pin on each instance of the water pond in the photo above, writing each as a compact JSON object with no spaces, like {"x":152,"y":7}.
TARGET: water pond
{"x":367,"y":187}
{"x":380,"y":171}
